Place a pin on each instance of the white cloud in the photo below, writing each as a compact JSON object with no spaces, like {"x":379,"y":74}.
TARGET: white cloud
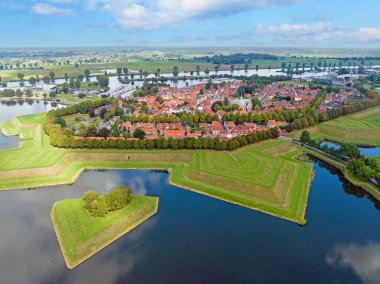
{"x":47,"y":9}
{"x":320,"y":32}
{"x":364,"y":260}
{"x":156,"y":14}
{"x":368,"y":34}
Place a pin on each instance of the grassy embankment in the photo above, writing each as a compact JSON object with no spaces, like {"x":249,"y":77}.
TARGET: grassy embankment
{"x":81,"y":235}
{"x":362,"y":128}
{"x":265,"y":177}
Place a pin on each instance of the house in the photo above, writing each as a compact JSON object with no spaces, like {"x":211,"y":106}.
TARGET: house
{"x":176,"y":134}
{"x":216,"y":128}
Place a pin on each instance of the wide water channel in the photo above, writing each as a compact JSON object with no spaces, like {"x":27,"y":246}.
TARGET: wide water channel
{"x":197,"y":239}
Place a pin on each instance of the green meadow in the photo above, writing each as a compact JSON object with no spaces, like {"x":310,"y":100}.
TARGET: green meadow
{"x":362,"y":128}
{"x":265,"y":177}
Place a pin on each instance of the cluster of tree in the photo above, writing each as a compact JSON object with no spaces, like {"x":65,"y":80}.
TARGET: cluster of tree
{"x":225,"y":106}
{"x":122,"y":70}
{"x":364,"y":168}
{"x":148,"y":89}
{"x":263,"y":117}
{"x":312,"y":118}
{"x":9,"y":93}
{"x":103,"y":81}
{"x":100,"y":205}
{"x":361,"y":167}
{"x":344,"y":152}
{"x":236,"y":58}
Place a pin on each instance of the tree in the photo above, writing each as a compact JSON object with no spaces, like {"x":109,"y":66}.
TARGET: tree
{"x":98,"y":207}
{"x":246,"y":67}
{"x":232,"y":68}
{"x":103,"y":81}
{"x":20,"y":76}
{"x":139,"y":133}
{"x":52,"y":94}
{"x":46,"y":79}
{"x":87,"y":74}
{"x":77,"y":83}
{"x":32,"y":81}
{"x":351,"y":151}
{"x":198,"y":68}
{"x":88,"y":197}
{"x":66,"y":77}
{"x":175,"y":71}
{"x":28,"y":93}
{"x":305,"y":137}
{"x":60,"y":121}
{"x":65,"y":87}
{"x":119,"y":70}
{"x":103,"y":132}
{"x":118,"y":198}
{"x":52,"y":76}
{"x":125,"y":71}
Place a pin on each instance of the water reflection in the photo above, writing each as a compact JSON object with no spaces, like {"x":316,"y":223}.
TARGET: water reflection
{"x":348,"y":187}
{"x":363,"y":259}
{"x":26,"y":227}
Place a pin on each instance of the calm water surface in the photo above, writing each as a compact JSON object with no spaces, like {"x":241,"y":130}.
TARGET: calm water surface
{"x":366,"y":151}
{"x":197,"y":239}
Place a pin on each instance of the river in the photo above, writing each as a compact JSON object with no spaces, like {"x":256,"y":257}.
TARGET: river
{"x":197,"y":239}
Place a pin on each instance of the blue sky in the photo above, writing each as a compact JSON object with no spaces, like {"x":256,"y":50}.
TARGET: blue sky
{"x":277,"y":23}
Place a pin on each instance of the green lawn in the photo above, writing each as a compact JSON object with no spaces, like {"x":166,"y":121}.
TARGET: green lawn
{"x":81,"y":236}
{"x":360,"y":128}
{"x":264,"y":176}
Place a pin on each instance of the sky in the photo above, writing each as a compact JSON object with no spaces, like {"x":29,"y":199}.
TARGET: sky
{"x":246,"y":23}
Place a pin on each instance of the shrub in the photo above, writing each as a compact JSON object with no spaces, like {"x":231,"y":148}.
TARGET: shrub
{"x":118,"y":198}
{"x":88,"y":197}
{"x":98,"y":207}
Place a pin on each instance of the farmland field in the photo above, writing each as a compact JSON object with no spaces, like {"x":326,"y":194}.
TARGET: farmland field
{"x":265,"y":176}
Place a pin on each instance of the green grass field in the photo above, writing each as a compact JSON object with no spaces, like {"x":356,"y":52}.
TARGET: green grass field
{"x":80,"y":235}
{"x":362,"y":128}
{"x":264,"y":176}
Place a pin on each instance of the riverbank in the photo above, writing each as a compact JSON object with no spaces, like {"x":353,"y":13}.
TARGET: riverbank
{"x":80,"y":236}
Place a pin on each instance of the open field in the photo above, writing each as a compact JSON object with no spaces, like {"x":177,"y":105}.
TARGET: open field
{"x":265,"y":176}
{"x":80,"y":235}
{"x":361,"y":128}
